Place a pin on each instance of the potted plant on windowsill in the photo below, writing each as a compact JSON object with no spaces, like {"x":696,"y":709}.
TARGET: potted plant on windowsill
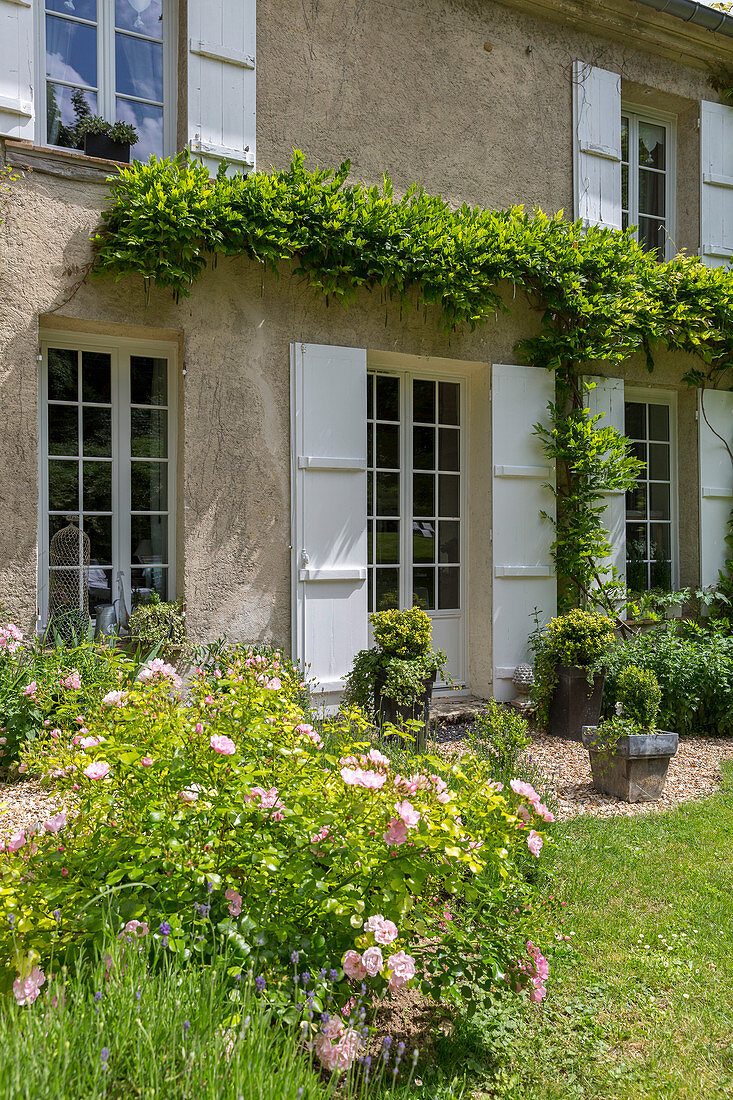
{"x":110,"y":141}
{"x":569,"y":672}
{"x":629,"y":757}
{"x":393,"y":682}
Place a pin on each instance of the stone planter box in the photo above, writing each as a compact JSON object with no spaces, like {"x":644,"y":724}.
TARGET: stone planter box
{"x":576,"y":702}
{"x":636,"y":770}
{"x":388,"y":710}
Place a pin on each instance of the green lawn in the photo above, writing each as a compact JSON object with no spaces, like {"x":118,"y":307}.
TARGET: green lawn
{"x":641,"y":1003}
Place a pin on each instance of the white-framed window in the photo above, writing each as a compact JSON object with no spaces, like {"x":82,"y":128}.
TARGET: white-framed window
{"x":651,"y":507}
{"x":113,"y":58}
{"x":648,"y":178}
{"x":107,"y":469}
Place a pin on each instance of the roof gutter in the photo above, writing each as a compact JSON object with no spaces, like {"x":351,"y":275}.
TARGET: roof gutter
{"x":719,"y":22}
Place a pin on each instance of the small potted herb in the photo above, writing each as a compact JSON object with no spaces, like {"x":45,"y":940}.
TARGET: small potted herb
{"x":158,"y":625}
{"x":111,"y":141}
{"x":569,"y":672}
{"x":629,"y":756}
{"x":393,"y":682}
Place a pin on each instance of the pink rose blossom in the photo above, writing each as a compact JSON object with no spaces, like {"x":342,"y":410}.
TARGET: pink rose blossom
{"x":157,"y":669}
{"x":373,"y":961}
{"x":27,"y":989}
{"x":523,"y":813}
{"x":147,"y":762}
{"x":378,"y":758}
{"x":384,"y":931}
{"x":235,"y":902}
{"x":30,"y":689}
{"x":396,"y":833}
{"x":55,"y":824}
{"x":274,"y":684}
{"x":16,"y":841}
{"x":408,"y":813}
{"x":358,"y":777}
{"x":401,"y":970}
{"x":353,"y":966}
{"x":322,"y":834}
{"x":545,"y":814}
{"x":308,"y":731}
{"x":525,"y":790}
{"x":535,"y":842}
{"x":72,"y":682}
{"x":441,"y":789}
{"x":89,"y":742}
{"x":10,"y":637}
{"x":190,"y":794}
{"x":199,"y":727}
{"x":114,"y":699}
{"x":221,"y":744}
{"x":98,"y":770}
{"x":135,"y":928}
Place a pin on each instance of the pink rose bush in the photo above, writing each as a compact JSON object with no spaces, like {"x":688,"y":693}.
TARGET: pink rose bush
{"x":11,"y":638}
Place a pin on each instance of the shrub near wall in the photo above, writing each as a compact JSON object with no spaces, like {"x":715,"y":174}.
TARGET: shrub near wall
{"x":227,"y":820}
{"x":695,"y":676}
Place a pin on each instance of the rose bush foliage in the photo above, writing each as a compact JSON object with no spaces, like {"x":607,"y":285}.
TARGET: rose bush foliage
{"x":229,"y":818}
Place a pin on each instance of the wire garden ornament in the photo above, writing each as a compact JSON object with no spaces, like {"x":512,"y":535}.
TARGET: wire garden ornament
{"x":68,"y":603}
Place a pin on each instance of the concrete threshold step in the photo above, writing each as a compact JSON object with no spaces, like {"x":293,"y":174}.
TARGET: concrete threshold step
{"x":447,"y":711}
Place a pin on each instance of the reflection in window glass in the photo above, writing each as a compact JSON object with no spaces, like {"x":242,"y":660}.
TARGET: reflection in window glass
{"x":644,"y":181}
{"x":649,"y":504}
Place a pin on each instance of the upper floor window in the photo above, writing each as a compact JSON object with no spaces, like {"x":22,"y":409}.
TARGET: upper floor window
{"x":105,"y":57}
{"x":647,"y":180}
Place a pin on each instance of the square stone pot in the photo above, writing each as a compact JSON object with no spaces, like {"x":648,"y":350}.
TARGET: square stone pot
{"x":636,"y":770}
{"x":576,"y":702}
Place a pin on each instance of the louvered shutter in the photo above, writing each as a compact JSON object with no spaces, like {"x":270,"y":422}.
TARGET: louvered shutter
{"x":222,"y":82}
{"x":524,"y":576}
{"x":716,"y":481}
{"x":716,"y":202}
{"x":16,"y":69}
{"x":328,"y":410}
{"x":597,"y":145}
{"x":607,"y":397}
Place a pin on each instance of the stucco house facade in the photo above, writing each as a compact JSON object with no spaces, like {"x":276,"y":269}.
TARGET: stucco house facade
{"x":285,"y":466}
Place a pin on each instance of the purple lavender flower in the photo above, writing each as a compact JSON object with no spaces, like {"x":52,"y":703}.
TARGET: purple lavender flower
{"x":186,"y":1026}
{"x":11,"y":919}
{"x":333,"y":975}
{"x":294,"y":957}
{"x":98,"y":997}
{"x":57,"y":915}
{"x":105,"y":1054}
{"x":305,"y":977}
{"x":259,"y":983}
{"x":165,"y":928}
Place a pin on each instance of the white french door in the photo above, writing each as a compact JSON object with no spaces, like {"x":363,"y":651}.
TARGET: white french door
{"x":416,"y":501}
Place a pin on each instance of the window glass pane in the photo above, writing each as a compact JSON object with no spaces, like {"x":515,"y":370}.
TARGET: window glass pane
{"x":388,"y":446}
{"x":423,"y":401}
{"x":82,"y":9}
{"x":638,"y":450}
{"x":625,"y":187}
{"x":149,"y":433}
{"x":423,"y":588}
{"x":660,"y":541}
{"x":659,"y":422}
{"x":387,"y":589}
{"x":97,"y":495}
{"x":63,"y":381}
{"x":636,"y":502}
{"x":65,"y":107}
{"x":71,"y":51}
{"x":449,"y":541}
{"x":423,"y":448}
{"x":387,"y":541}
{"x":370,"y":397}
{"x":63,"y":429}
{"x":423,"y":540}
{"x":449,"y":589}
{"x":370,"y":543}
{"x":635,"y":420}
{"x":388,"y":395}
{"x":652,"y":193}
{"x":146,"y":581}
{"x":96,"y":377}
{"x":149,"y":542}
{"x":449,"y":402}
{"x":659,"y":461}
{"x":148,"y":380}
{"x":148,"y":121}
{"x":449,"y":503}
{"x":139,"y":69}
{"x":449,"y":449}
{"x":141,"y":16}
{"x":660,"y":575}
{"x":370,"y":494}
{"x":659,"y":501}
{"x":370,"y":444}
{"x":624,"y":138}
{"x":652,"y":141}
{"x":652,"y":236}
{"x":55,"y":523}
{"x":99,"y":529}
{"x":636,"y":557}
{"x":63,"y":486}
{"x":149,"y":486}
{"x":388,"y":494}
{"x":99,"y":587}
{"x":97,"y":427}
{"x":423,"y":495}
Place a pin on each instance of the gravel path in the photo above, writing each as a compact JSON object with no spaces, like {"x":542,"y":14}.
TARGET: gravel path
{"x":25,"y":804}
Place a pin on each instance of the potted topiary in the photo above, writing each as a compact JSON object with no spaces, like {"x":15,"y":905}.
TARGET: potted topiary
{"x":629,"y":757}
{"x":111,"y":141}
{"x":393,"y":682}
{"x":569,"y":672}
{"x":160,"y":626}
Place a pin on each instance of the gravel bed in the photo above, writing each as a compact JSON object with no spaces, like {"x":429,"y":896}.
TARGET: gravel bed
{"x":25,"y":805}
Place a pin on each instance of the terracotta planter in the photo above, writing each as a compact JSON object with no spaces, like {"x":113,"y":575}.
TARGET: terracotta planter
{"x":99,"y":145}
{"x":388,"y":710}
{"x":576,"y":702}
{"x":636,"y":770}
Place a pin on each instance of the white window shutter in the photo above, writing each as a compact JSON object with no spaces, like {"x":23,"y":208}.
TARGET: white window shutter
{"x":524,"y":574}
{"x":597,"y":145}
{"x":716,"y":481}
{"x":16,"y":69}
{"x":328,"y":414}
{"x":716,"y":200}
{"x":222,"y":82}
{"x":607,"y":397}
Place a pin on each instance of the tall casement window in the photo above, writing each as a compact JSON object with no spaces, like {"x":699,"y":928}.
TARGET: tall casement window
{"x":107,"y":472}
{"x":647,"y":180}
{"x":414,"y":498}
{"x":651,"y":507}
{"x":107,"y":57}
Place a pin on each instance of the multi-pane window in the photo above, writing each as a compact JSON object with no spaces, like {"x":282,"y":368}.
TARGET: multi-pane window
{"x":105,"y":57}
{"x":649,"y":506}
{"x":414,"y":492}
{"x":107,"y":430}
{"x":645,"y":180}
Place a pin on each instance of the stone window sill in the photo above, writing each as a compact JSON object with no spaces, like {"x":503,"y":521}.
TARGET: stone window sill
{"x":67,"y":163}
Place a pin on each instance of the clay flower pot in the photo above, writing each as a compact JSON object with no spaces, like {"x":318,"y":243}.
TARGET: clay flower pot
{"x":635,"y":770}
{"x":576,"y":701}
